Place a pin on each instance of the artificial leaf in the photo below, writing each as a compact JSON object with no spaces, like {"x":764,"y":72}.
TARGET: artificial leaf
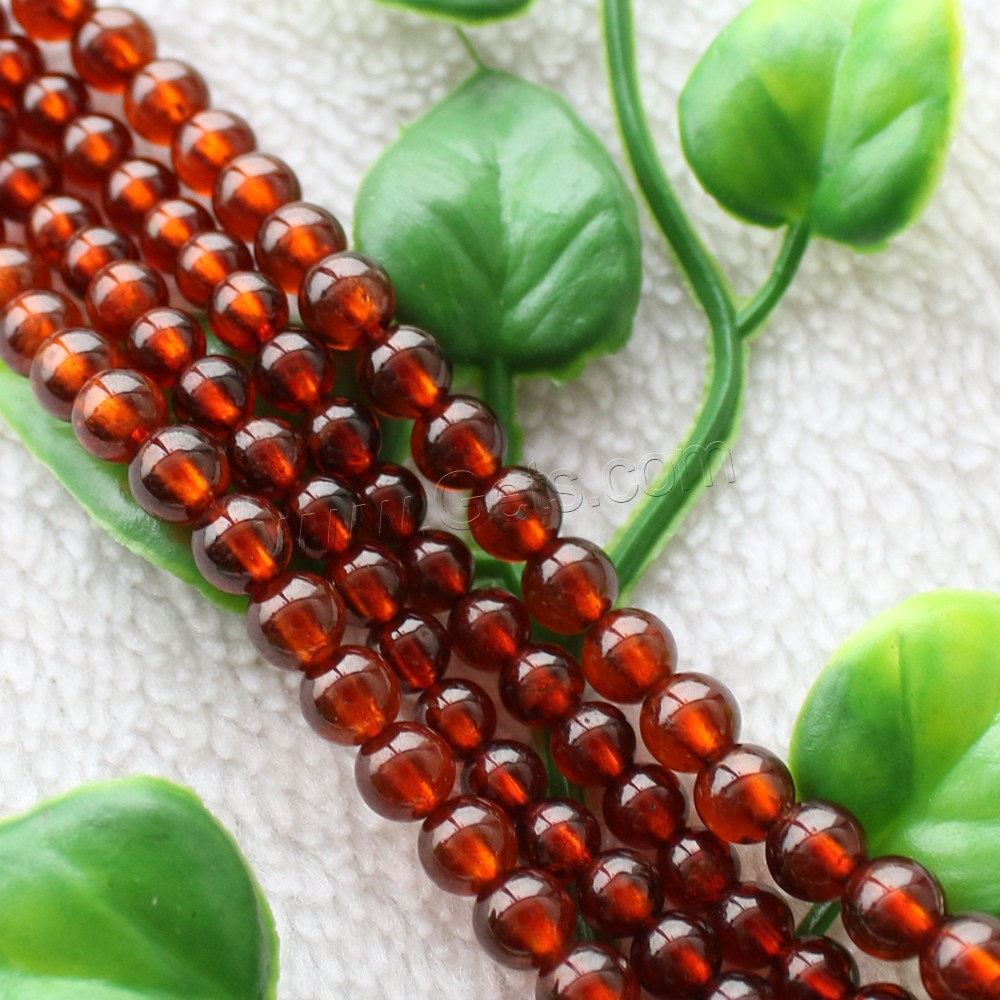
{"x":464,"y":11}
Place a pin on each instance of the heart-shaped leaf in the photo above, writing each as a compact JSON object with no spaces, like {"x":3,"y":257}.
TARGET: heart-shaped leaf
{"x":464,"y":11}
{"x":130,"y":890}
{"x":903,"y":728}
{"x":837,"y":113}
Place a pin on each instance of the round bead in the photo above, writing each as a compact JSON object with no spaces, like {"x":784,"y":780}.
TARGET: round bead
{"x":214,"y":393}
{"x":405,"y":772}
{"x":163,"y":95}
{"x":164,"y":342}
{"x":324,"y":517}
{"x":689,"y":721}
{"x":527,"y":920}
{"x":458,"y":443}
{"x":206,"y":259}
{"x":460,"y":711}
{"x":51,"y":20}
{"x":594,"y":745}
{"x":54,"y":220}
{"x":167,"y":226}
{"x":416,"y":646}
{"x":591,"y":971}
{"x":8,"y":129}
{"x":753,"y":924}
{"x":618,"y":892}
{"x":541,"y":685}
{"x":20,"y":60}
{"x":697,"y":868}
{"x":739,"y":986}
{"x":962,"y":960}
{"x":508,"y":772}
{"x":370,"y":580}
{"x":249,"y":188}
{"x":120,"y":293}
{"x":394,"y":503}
{"x":132,"y":189}
{"x":246,"y":310}
{"x":891,"y":906}
{"x":569,"y":585}
{"x":814,"y":968}
{"x":92,"y":146}
{"x":488,"y":628}
{"x":560,"y":835}
{"x":26,"y":177}
{"x":292,"y":239}
{"x":627,"y":653}
{"x":177,"y":474}
{"x":405,"y":373}
{"x":343,"y":437}
{"x":439,"y":569}
{"x":351,"y":697}
{"x":21,"y":270}
{"x":243,"y":544}
{"x":49,"y":102}
{"x":644,"y":807}
{"x":268,"y":456}
{"x":883,"y":991}
{"x":110,"y":46}
{"x":115,"y":412}
{"x":64,"y":362}
{"x":296,"y":621}
{"x":206,"y":143}
{"x":466,"y":844}
{"x":28,"y":320}
{"x":514,"y":513}
{"x":813,"y":850}
{"x":676,"y":956}
{"x":345,"y":299}
{"x":292,"y":371}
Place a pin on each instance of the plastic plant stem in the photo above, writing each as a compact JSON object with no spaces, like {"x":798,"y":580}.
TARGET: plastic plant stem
{"x":753,"y":314}
{"x":500,"y":392}
{"x":819,"y":919}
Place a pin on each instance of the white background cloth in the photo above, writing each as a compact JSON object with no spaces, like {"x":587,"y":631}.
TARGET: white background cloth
{"x":866,"y":472}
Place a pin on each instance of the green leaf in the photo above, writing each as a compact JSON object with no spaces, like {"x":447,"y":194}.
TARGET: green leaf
{"x":102,"y":489}
{"x":464,"y":11}
{"x":837,"y":113}
{"x":507,"y":229}
{"x":130,"y":890}
{"x":903,"y":728}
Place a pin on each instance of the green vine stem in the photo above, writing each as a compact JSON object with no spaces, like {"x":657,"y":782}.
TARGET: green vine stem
{"x":500,"y":392}
{"x":751,"y":316}
{"x":819,"y":919}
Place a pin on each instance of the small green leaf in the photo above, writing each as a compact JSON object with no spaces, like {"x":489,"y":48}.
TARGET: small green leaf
{"x":837,"y":113}
{"x":507,"y":229}
{"x":464,"y":11}
{"x":130,"y":890}
{"x":102,"y":489}
{"x":903,"y":728}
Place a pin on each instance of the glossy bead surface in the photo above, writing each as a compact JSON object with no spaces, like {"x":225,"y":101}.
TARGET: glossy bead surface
{"x":405,"y":772}
{"x":206,"y":143}
{"x":20,"y":60}
{"x":115,"y":412}
{"x":345,"y":299}
{"x":49,"y":102}
{"x":292,"y":372}
{"x":110,"y":46}
{"x":394,"y":503}
{"x":351,"y":697}
{"x":51,"y":20}
{"x":120,"y":293}
{"x":689,"y":721}
{"x":324,"y":515}
{"x":133,"y":188}
{"x":177,"y":474}
{"x":460,"y":711}
{"x":416,"y":646}
{"x":248,"y":189}
{"x":883,"y":991}
{"x":591,"y":971}
{"x":26,"y":177}
{"x":560,"y":835}
{"x":8,"y":130}
{"x":697,"y":867}
{"x":55,"y":219}
{"x":733,"y":985}
{"x":370,"y":580}
{"x":962,"y":960}
{"x":163,"y":95}
{"x":343,"y":437}
{"x":814,"y":968}
{"x":439,"y":569}
{"x":206,"y":259}
{"x":488,"y":628}
{"x":644,"y":807}
{"x":466,"y":844}
{"x":163,"y":342}
{"x":569,"y":585}
{"x":627,"y":653}
{"x":676,"y":956}
{"x":28,"y":320}
{"x":526,"y":921}
{"x":64,"y":362}
{"x":405,"y":373}
{"x":21,"y":270}
{"x":292,"y":239}
{"x":619,"y":892}
{"x":541,"y":685}
{"x":753,"y":924}
{"x":92,"y":146}
{"x":813,"y":850}
{"x":742,"y":795}
{"x":246,"y":310}
{"x":215,"y":393}
{"x":508,"y":772}
{"x":594,"y":745}
{"x":458,"y":443}
{"x":514,"y":513}
{"x":167,"y":226}
{"x":268,"y":456}
{"x":245,"y":542}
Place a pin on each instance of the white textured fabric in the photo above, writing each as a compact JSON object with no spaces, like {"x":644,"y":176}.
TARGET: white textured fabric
{"x":866,"y":471}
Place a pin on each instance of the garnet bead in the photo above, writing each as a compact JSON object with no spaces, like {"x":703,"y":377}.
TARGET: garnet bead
{"x":54,"y":220}
{"x":324,"y":514}
{"x":26,"y":177}
{"x":393,"y":503}
{"x":248,"y":189}
{"x":627,"y":653}
{"x":120,"y":293}
{"x":51,"y":20}
{"x":292,"y":239}
{"x":814,"y":968}
{"x":644,"y":807}
{"x":92,"y":146}
{"x":697,"y":868}
{"x":133,"y":188}
{"x":214,"y":393}
{"x":541,"y":685}
{"x":514,"y":513}
{"x":569,"y":585}
{"x":28,"y":320}
{"x":962,"y":960}
{"x":460,"y":711}
{"x":739,"y":986}
{"x":590,"y":971}
{"x":416,"y":646}
{"x":64,"y":362}
{"x":343,"y":437}
{"x":246,"y":310}
{"x":439,"y":569}
{"x":167,"y":226}
{"x":405,"y":373}
{"x":110,"y":46}
{"x":206,"y":259}
{"x":370,"y":580}
{"x":488,"y":628}
{"x":49,"y":102}
{"x":268,"y":456}
{"x":676,"y":956}
{"x":405,"y":772}
{"x":115,"y":412}
{"x":292,"y":371}
{"x":458,"y":443}
{"x":206,"y":143}
{"x":20,"y":60}
{"x":561,"y":836}
{"x":619,"y":892}
{"x":21,"y":270}
{"x":163,"y":95}
{"x":594,"y":745}
{"x":883,"y":991}
{"x":508,"y":772}
{"x":164,"y":342}
{"x":753,"y":924}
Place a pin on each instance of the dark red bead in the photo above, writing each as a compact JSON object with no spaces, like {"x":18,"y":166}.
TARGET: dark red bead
{"x":370,"y":580}
{"x":54,"y":220}
{"x":541,"y":685}
{"x":627,"y":653}
{"x":753,"y":924}
{"x":508,"y":772}
{"x":64,"y":362}
{"x":416,"y":646}
{"x":92,"y":146}
{"x":697,"y":868}
{"x":619,"y":892}
{"x":594,"y":745}
{"x":393,"y":503}
{"x":28,"y":320}
{"x":164,"y":342}
{"x":89,"y":250}
{"x":20,"y":60}
{"x":514,"y":513}
{"x":644,"y":807}
{"x":294,"y":238}
{"x":110,"y":46}
{"x":739,"y":986}
{"x":246,"y":310}
{"x":8,"y":131}
{"x":883,"y":991}
{"x":206,"y":259}
{"x":458,"y":443}
{"x":268,"y":456}
{"x":591,"y":971}
{"x":21,"y":270}
{"x":569,"y":585}
{"x":167,"y":226}
{"x":343,"y":437}
{"x":488,"y":628}
{"x":51,"y":20}
{"x":115,"y":412}
{"x":161,"y":96}
{"x":120,"y":293}
{"x":676,"y":956}
{"x":814,"y":968}
{"x":133,"y":188}
{"x":962,"y":960}
{"x":561,"y":836}
{"x":248,"y":189}
{"x":26,"y":177}
{"x":460,"y":711}
{"x":206,"y":143}
{"x":292,"y":371}
{"x":439,"y":569}
{"x":214,"y":393}
{"x":405,"y":373}
{"x":49,"y":102}
{"x":325,"y":517}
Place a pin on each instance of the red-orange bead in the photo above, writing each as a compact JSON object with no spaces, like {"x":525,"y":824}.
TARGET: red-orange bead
{"x":244,"y":543}
{"x":405,"y":772}
{"x":325,"y":517}
{"x":619,"y":892}
{"x":120,"y":293}
{"x":343,"y":437}
{"x":590,"y":971}
{"x":133,"y":188}
{"x":488,"y":628}
{"x":744,"y":986}
{"x":814,"y":968}
{"x":115,"y":412}
{"x":51,"y":20}
{"x":8,"y":131}
{"x":405,"y":373}
{"x":458,"y":443}
{"x":351,"y":697}
{"x":207,"y":142}
{"x":26,"y":177}
{"x":689,"y":721}
{"x":292,"y":371}
{"x":268,"y":456}
{"x":415,"y":645}
{"x":697,"y":868}
{"x":439,"y":569}
{"x":627,"y":653}
{"x":164,"y":342}
{"x":246,"y":310}
{"x":92,"y":146}
{"x":466,"y":844}
{"x":20,"y":271}
{"x":214,"y":393}
{"x":110,"y":46}
{"x":249,"y":188}
{"x":514,"y":513}
{"x":560,"y":835}
{"x":292,"y":239}
{"x":676,"y":956}
{"x":527,"y":920}
{"x":962,"y":960}
{"x":29,"y":319}
{"x":594,"y":745}
{"x":541,"y":685}
{"x":20,"y":60}
{"x":49,"y":102}
{"x":167,"y":226}
{"x":460,"y":711}
{"x":370,"y":580}
{"x":345,"y":299}
{"x":64,"y":362}
{"x":508,"y":772}
{"x":753,"y":924}
{"x":644,"y":807}
{"x":206,"y":259}
{"x":883,"y":991}
{"x":393,"y":503}
{"x":163,"y":95}
{"x":296,"y":621}
{"x":177,"y":474}
{"x":569,"y":585}
{"x":54,"y":220}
